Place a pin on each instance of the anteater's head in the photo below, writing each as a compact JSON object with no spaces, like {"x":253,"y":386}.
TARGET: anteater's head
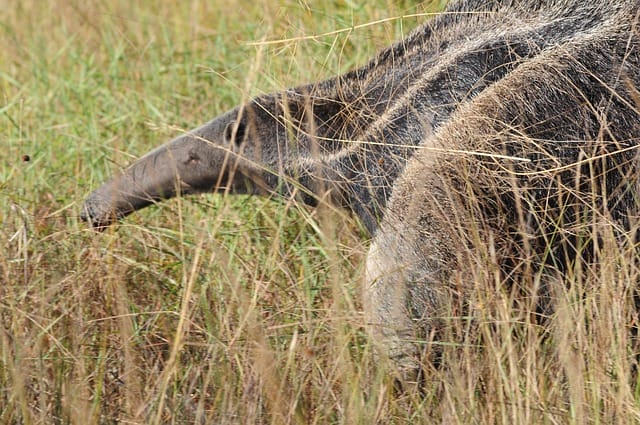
{"x":265,"y":146}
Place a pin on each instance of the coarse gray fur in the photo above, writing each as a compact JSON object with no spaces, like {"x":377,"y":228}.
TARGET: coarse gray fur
{"x":499,"y":122}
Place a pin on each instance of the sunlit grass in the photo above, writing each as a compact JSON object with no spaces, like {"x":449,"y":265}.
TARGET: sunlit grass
{"x":233,"y":309}
{"x":211,"y":309}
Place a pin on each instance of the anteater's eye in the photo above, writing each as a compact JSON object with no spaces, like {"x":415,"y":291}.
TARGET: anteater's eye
{"x":234,"y":133}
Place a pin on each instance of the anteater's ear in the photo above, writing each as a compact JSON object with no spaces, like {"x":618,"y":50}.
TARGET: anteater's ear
{"x":235,"y":133}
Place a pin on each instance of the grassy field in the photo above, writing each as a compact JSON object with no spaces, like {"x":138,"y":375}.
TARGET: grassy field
{"x":228,"y":310}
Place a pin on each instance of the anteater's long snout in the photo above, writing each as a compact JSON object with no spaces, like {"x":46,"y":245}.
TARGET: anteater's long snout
{"x":199,"y":161}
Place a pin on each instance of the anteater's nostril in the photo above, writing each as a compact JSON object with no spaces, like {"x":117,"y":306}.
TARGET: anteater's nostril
{"x":91,"y":216}
{"x":85,"y":215}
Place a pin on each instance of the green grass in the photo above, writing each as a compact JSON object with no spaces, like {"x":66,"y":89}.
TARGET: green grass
{"x":220,"y":309}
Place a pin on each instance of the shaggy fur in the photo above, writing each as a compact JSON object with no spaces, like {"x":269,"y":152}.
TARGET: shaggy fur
{"x":511,"y":124}
{"x":532,"y":168}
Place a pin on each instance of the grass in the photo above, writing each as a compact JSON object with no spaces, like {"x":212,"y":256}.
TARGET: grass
{"x":232,"y":309}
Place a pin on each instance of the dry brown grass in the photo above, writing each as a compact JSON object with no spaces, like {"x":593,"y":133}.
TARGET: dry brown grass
{"x":236,"y":310}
